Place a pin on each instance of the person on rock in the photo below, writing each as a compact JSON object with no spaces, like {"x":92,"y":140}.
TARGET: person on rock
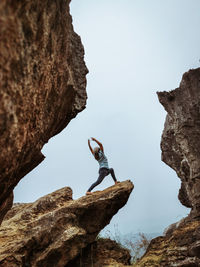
{"x":104,"y":170}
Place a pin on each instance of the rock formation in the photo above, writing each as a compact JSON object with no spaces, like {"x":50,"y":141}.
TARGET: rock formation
{"x":42,"y":84}
{"x":103,"y":252}
{"x":53,"y":230}
{"x":180,"y":150}
{"x":181,"y":137}
{"x":179,"y":248}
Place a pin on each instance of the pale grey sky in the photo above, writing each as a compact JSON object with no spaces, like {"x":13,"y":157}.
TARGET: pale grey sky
{"x":133,"y":49}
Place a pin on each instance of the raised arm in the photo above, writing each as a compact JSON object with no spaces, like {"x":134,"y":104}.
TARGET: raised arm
{"x":100,"y":144}
{"x":90,"y":147}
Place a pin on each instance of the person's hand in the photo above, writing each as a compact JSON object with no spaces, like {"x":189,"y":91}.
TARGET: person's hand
{"x":88,"y":140}
{"x":93,"y":139}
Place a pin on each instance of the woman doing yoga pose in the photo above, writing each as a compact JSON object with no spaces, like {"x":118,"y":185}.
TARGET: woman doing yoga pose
{"x":104,"y":170}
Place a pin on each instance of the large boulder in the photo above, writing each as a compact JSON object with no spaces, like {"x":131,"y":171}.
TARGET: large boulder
{"x":53,"y":230}
{"x":180,"y":245}
{"x":42,"y":84}
{"x":102,"y":252}
{"x":178,"y":248}
{"x":181,"y":137}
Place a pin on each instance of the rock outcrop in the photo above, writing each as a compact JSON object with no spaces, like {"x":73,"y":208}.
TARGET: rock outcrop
{"x":181,"y":137}
{"x":42,"y":84}
{"x":180,"y":247}
{"x":102,"y":252}
{"x":53,"y":230}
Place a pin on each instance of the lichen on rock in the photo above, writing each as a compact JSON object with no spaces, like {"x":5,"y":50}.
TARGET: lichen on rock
{"x":53,"y":230}
{"x":102,"y":252}
{"x":180,"y":246}
{"x":181,"y":137}
{"x":42,"y":84}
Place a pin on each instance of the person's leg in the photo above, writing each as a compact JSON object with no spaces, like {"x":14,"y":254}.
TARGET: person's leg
{"x":113,"y":174}
{"x":102,"y":174}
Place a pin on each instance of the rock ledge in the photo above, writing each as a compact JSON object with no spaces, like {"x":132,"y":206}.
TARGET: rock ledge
{"x":42,"y":84}
{"x":53,"y":230}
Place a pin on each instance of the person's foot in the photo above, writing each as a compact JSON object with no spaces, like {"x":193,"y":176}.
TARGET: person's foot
{"x":88,"y":193}
{"x":117,"y":182}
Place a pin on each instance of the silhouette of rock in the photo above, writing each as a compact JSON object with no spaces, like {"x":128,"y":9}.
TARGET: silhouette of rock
{"x":53,"y":230}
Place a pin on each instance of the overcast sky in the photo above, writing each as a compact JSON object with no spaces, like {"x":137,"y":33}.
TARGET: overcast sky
{"x":133,"y":48}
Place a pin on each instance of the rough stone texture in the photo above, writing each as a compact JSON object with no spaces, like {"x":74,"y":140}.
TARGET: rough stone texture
{"x":42,"y":84}
{"x":180,"y":247}
{"x":181,"y":137}
{"x":103,"y":252}
{"x":53,"y":230}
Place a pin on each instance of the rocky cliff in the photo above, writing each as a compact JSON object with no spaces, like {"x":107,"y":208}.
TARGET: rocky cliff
{"x":104,"y":252}
{"x":181,"y":137}
{"x":42,"y":84}
{"x":53,"y":230}
{"x":180,"y":150}
{"x":180,"y":247}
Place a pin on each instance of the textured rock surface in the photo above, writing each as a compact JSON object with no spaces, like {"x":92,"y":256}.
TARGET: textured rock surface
{"x":180,"y":247}
{"x":181,"y":137}
{"x":42,"y":84}
{"x":54,"y":229}
{"x":103,"y":252}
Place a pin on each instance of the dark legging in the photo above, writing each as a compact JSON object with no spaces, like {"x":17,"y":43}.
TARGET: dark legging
{"x":103,"y":172}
